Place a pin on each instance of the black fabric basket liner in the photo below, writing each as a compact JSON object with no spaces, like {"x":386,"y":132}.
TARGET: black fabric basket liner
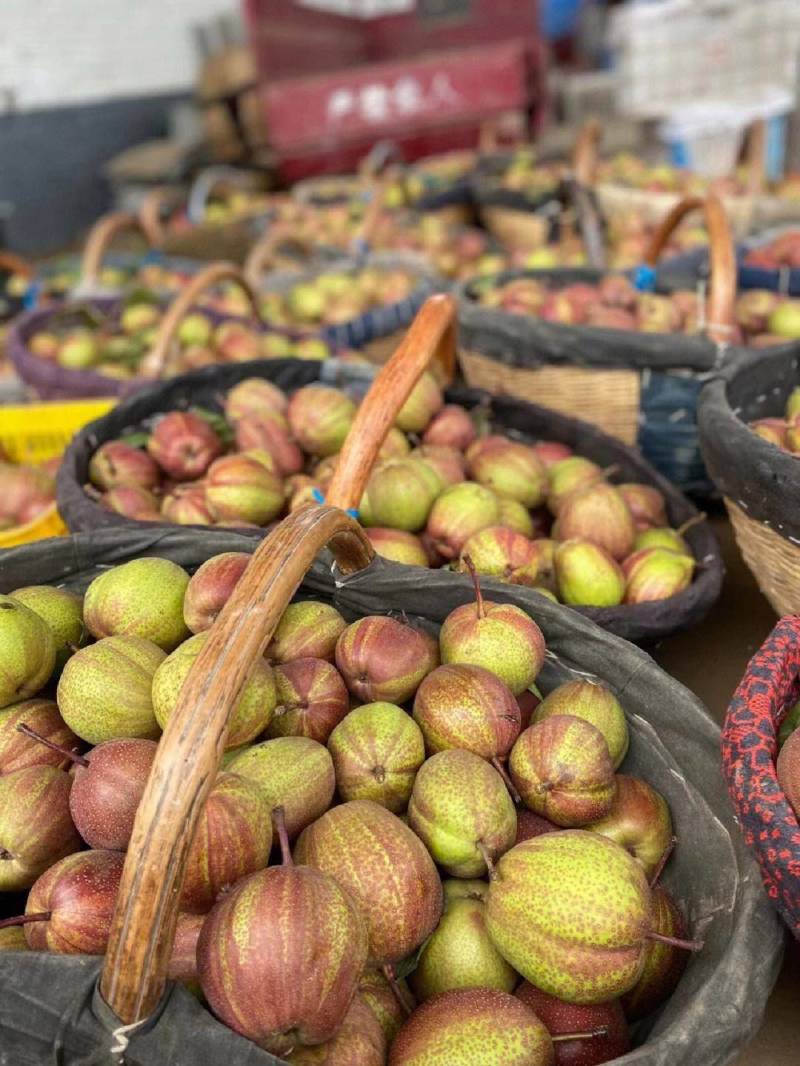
{"x":50,"y":1012}
{"x":528,"y":342}
{"x":691,"y":266}
{"x":763,"y":480}
{"x":645,"y":622}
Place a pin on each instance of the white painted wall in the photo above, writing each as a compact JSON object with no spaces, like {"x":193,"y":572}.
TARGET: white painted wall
{"x":59,"y":52}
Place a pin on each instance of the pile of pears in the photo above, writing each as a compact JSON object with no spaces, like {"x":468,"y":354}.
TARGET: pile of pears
{"x":408,"y":856}
{"x":446,"y":490}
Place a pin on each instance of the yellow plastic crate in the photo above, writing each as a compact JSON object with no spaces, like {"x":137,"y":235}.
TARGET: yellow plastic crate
{"x":34,"y":433}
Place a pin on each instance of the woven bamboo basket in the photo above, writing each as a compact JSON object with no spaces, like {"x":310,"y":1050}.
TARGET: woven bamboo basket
{"x":774,"y":562}
{"x":612,"y":398}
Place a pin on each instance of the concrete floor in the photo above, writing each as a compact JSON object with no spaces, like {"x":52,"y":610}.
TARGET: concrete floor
{"x":711,"y":661}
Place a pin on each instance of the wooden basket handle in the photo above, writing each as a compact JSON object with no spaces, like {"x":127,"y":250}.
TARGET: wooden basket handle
{"x":586,"y":152}
{"x":143,"y":928}
{"x":755,"y":157}
{"x":156,"y":204}
{"x":11,"y":263}
{"x":157,"y":360}
{"x":432,"y":335}
{"x":102,"y":234}
{"x":261,"y":256}
{"x":722,"y":286}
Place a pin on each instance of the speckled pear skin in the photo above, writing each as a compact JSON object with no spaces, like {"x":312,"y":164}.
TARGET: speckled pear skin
{"x":504,"y":640}
{"x":295,"y":773}
{"x":13,"y":939}
{"x":459,"y":801}
{"x":80,"y":892}
{"x":18,"y":751}
{"x":256,"y":703}
{"x":562,"y":769}
{"x":509,"y":468}
{"x":376,"y":992}
{"x":596,"y":704}
{"x":233,"y":839}
{"x":381,"y":658}
{"x":307,"y":630}
{"x":280,"y":956}
{"x":385,"y":867}
{"x":359,"y":1042}
{"x":27,"y":652}
{"x":639,"y":821}
{"x":312,"y":700}
{"x":210,"y":587}
{"x":63,"y":613}
{"x":460,"y":954}
{"x":561,"y":1017}
{"x":106,"y":794}
{"x":600,"y":514}
{"x":663,"y":964}
{"x":570,"y":912}
{"x":35,"y":824}
{"x":467,"y":707}
{"x":105,"y":690}
{"x":472,"y":1027}
{"x":377,"y":750}
{"x":142,"y":598}
{"x":460,"y":511}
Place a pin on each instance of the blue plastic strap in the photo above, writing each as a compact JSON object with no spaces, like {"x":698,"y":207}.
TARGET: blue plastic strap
{"x":359,"y":248}
{"x":154,"y":257}
{"x":644,"y":278}
{"x":317,"y":495}
{"x":32,"y":294}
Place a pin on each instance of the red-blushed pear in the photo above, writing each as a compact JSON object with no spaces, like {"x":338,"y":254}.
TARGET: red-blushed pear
{"x":254,"y":396}
{"x":384,"y":659}
{"x":788,"y":770}
{"x":646,"y":504}
{"x":184,"y":445}
{"x":360,"y":1041}
{"x":424,"y":402}
{"x":653,"y":574}
{"x":308,"y":629}
{"x":499,"y":637}
{"x":639,"y":821}
{"x":527,"y":701}
{"x":664,"y":962}
{"x":562,"y":1019}
{"x":600,"y":515}
{"x":377,"y":750}
{"x":562,"y":769}
{"x":543,"y":917}
{"x":461,"y":809}
{"x":375,"y":990}
{"x":320,"y":419}
{"x":70,"y":906}
{"x":386,"y":868}
{"x":117,"y":463}
{"x":183,"y":957}
{"x":452,"y":427}
{"x":186,"y":505}
{"x":551,"y":451}
{"x":502,"y":553}
{"x":107,"y":786}
{"x":508,"y":468}
{"x":447,"y":462}
{"x":400,"y":494}
{"x":458,"y":513}
{"x":312,"y":700}
{"x":269,"y":432}
{"x":17,"y":752}
{"x":36,"y":828}
{"x":567,"y":475}
{"x":210,"y":588}
{"x":293,"y":773}
{"x":240,"y":488}
{"x":397,"y":545}
{"x":280,"y":956}
{"x":596,"y":704}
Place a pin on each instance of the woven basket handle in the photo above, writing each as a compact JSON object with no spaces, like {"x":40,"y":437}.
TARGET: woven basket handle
{"x":262,"y":256}
{"x":156,"y":205}
{"x":156,"y":362}
{"x":432,"y":335}
{"x":755,"y":157}
{"x":101,"y":236}
{"x":143,"y":928}
{"x":11,"y":263}
{"x":722,"y":294}
{"x":586,"y":151}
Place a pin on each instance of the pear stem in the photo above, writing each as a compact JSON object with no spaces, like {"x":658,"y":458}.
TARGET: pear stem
{"x":279,"y":821}
{"x":487,"y":858}
{"x":506,"y":779}
{"x":72,"y":755}
{"x":473,"y":573}
{"x":675,"y":942}
{"x":662,"y":862}
{"x":25,"y":919}
{"x":397,"y":989}
{"x":609,"y":470}
{"x":590,"y":1034}
{"x":694,"y":521}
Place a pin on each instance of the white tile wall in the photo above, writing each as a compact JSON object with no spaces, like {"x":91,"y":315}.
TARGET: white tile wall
{"x":55,"y":52}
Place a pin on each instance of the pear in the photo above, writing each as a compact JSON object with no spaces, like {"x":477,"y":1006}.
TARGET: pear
{"x":142,"y":598}
{"x":18,"y":751}
{"x":377,"y":750}
{"x":312,"y":699}
{"x":460,"y":808}
{"x":253,"y":711}
{"x":664,"y":963}
{"x":63,"y":613}
{"x":308,"y":629}
{"x":594,"y":703}
{"x":379,"y":996}
{"x":464,"y":888}
{"x":36,"y":828}
{"x":639,"y":821}
{"x":27,"y":652}
{"x":105,"y":689}
{"x":385,"y":867}
{"x":295,"y":773}
{"x":562,"y":769}
{"x":359,"y":1041}
{"x":384,"y":659}
{"x":460,"y":953}
{"x":605,"y":1020}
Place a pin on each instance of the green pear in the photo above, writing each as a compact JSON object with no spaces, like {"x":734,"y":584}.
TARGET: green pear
{"x":27,"y":652}
{"x":256,"y":704}
{"x":142,"y":598}
{"x":63,"y":613}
